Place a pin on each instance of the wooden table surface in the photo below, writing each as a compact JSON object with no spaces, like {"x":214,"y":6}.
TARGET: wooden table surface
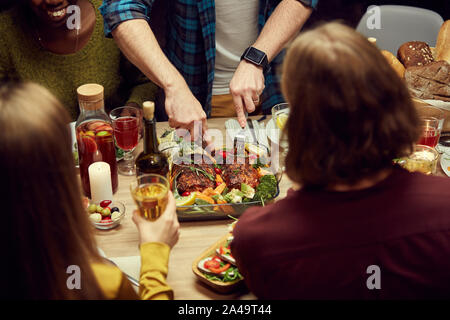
{"x":195,"y":237}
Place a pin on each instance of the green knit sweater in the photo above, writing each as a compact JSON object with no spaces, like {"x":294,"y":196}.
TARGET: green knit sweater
{"x":100,"y":61}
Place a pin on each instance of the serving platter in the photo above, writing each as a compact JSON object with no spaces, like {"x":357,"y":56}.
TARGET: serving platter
{"x":208,"y":203}
{"x":218,"y":286}
{"x":217,"y":211}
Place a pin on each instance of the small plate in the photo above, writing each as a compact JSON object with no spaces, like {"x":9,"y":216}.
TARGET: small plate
{"x":445,"y":163}
{"x":218,"y":286}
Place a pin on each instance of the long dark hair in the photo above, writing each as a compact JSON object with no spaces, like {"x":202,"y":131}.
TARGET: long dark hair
{"x":45,"y":228}
{"x":350,"y":115}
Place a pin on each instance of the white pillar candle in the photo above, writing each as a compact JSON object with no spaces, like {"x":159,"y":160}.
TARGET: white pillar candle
{"x":100,"y":181}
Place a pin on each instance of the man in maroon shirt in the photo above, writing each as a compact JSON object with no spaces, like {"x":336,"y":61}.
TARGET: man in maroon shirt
{"x":359,"y":228}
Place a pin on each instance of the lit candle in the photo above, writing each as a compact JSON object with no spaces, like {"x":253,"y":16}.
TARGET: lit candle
{"x":100,"y":181}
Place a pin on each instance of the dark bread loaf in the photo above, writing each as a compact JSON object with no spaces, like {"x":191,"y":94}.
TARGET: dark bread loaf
{"x":431,"y":81}
{"x":414,"y":53}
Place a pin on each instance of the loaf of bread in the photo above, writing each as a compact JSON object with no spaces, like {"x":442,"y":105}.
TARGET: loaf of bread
{"x":443,"y":42}
{"x":414,"y":53}
{"x":431,"y":81}
{"x":394,"y":63}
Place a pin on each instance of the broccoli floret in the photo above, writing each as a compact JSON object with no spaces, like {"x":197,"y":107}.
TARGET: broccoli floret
{"x":234,"y":196}
{"x":266,"y":189}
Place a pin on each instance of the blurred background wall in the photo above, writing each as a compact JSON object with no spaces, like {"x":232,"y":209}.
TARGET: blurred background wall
{"x":351,"y":11}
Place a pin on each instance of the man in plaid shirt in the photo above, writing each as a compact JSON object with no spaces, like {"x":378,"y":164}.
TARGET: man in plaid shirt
{"x":187,"y":68}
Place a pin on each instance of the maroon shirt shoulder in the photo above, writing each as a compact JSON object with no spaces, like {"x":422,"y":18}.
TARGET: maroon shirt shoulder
{"x":319,"y":244}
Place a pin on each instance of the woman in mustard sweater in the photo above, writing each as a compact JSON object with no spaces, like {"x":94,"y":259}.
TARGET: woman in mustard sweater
{"x":46,"y":227}
{"x":40,"y":43}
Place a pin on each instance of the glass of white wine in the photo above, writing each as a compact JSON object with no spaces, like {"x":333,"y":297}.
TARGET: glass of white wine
{"x":280,"y":114}
{"x":150,"y":192}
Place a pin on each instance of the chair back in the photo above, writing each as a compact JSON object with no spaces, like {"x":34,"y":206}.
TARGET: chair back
{"x":394,"y":25}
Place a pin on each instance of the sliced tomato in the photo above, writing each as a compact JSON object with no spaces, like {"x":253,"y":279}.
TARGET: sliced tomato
{"x":211,"y":264}
{"x":220,"y":269}
{"x":224,"y":250}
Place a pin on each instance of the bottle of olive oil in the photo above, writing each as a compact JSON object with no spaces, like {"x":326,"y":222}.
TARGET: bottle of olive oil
{"x":151,"y":160}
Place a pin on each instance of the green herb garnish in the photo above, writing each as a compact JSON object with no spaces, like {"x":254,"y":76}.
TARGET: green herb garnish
{"x":206,"y":174}
{"x":258,"y":164}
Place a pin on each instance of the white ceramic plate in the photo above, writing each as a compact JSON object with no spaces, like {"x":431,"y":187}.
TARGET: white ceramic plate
{"x":445,"y":163}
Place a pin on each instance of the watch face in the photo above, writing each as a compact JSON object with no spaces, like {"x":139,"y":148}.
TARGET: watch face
{"x":255,"y":55}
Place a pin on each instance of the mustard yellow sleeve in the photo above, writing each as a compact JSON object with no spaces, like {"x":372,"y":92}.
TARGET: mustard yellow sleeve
{"x":113,"y":282}
{"x":126,"y":291}
{"x":154,"y":268}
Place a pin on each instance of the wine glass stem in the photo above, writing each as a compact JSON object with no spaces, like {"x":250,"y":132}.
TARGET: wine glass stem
{"x":128,"y":159}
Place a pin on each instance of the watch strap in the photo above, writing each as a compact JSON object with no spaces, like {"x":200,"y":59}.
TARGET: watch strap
{"x":257,"y":57}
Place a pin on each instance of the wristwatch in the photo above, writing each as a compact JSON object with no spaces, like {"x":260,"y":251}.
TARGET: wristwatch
{"x":257,"y":57}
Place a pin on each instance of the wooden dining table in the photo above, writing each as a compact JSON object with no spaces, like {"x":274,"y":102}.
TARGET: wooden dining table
{"x":121,"y":243}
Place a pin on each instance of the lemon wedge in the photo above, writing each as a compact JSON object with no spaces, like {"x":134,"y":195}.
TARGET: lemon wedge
{"x":185,"y":201}
{"x":255,"y":149}
{"x":281,"y":120}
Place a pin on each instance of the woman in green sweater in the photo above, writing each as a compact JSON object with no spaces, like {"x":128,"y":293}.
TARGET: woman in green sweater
{"x":39,"y":42}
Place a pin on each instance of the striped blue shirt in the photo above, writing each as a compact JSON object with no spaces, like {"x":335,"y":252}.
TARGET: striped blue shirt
{"x":190,"y":42}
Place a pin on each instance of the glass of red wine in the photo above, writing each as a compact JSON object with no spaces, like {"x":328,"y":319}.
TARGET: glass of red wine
{"x":430,"y":131}
{"x":126,"y":124}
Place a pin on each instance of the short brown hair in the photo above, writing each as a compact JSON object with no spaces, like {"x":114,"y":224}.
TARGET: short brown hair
{"x":350,"y":114}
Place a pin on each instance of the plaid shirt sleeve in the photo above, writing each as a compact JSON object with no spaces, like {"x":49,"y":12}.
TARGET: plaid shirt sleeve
{"x":310,"y":3}
{"x":117,"y":11}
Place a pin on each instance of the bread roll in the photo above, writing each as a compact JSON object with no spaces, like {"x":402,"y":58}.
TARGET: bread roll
{"x":443,"y":42}
{"x":394,"y":63}
{"x":415,"y":53}
{"x":429,"y":82}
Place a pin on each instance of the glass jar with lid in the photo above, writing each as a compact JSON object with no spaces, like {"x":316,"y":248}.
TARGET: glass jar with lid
{"x":94,"y":135}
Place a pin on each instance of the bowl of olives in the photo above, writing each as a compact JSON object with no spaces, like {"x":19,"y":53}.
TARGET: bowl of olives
{"x":107,"y":214}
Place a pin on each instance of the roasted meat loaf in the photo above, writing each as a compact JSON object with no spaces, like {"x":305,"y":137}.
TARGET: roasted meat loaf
{"x":430,"y":82}
{"x":192,"y":177}
{"x":414,"y":53}
{"x":235,"y":174}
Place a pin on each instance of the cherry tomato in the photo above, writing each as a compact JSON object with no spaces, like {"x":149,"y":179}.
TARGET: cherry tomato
{"x":105,"y":203}
{"x":106,"y":220}
{"x":186,"y":194}
{"x":217,"y":170}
